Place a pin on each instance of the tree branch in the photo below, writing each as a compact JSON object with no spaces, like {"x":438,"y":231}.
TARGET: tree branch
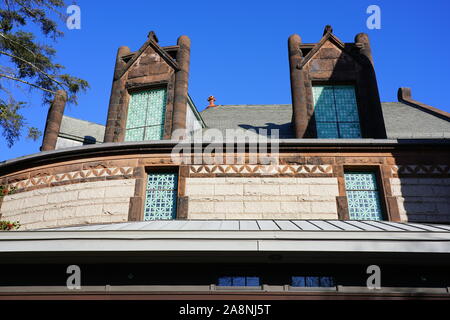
{"x":35,"y":67}
{"x":26,"y":82}
{"x":5,"y":37}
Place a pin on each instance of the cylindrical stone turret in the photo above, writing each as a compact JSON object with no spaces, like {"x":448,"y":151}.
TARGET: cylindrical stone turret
{"x":299,"y":113}
{"x":181,"y":84}
{"x":54,"y":118}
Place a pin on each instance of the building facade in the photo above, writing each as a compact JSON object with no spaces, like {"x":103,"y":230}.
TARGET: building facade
{"x":264,"y":200}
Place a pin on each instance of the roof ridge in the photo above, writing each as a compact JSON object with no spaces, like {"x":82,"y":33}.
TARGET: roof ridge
{"x":251,"y":105}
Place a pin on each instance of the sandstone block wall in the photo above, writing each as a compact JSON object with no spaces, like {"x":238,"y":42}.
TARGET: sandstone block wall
{"x":422,"y":199}
{"x":262,"y":198}
{"x":72,"y":204}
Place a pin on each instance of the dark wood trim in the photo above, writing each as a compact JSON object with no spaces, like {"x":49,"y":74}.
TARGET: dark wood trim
{"x":179,"y":295}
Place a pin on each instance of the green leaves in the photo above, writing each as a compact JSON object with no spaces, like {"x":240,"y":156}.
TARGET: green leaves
{"x":26,"y":62}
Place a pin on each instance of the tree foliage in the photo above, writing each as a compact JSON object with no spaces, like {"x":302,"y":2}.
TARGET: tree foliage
{"x":25,"y":62}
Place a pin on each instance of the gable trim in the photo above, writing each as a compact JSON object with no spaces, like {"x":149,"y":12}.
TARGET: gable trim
{"x":327,"y":37}
{"x":150,"y":42}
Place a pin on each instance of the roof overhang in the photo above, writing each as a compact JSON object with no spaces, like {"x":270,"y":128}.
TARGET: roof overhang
{"x":187,"y":236}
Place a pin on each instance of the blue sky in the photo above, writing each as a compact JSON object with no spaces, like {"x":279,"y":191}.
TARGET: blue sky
{"x":239,"y":49}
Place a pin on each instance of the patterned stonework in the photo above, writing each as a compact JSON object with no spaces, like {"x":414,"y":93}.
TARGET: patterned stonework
{"x":261,"y":169}
{"x":421,"y":169}
{"x":74,"y":175}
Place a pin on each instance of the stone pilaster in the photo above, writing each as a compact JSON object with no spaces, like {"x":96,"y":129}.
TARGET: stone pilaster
{"x":117,"y":98}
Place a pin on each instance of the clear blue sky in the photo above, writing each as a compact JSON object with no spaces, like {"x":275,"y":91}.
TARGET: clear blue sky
{"x":239,"y":49}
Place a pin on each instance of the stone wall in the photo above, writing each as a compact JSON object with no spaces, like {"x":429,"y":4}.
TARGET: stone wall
{"x":422,"y":199}
{"x":262,"y":198}
{"x":73,"y":204}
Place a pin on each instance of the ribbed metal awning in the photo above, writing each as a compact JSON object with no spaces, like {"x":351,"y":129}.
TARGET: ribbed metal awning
{"x":260,"y":225}
{"x":235,"y":236}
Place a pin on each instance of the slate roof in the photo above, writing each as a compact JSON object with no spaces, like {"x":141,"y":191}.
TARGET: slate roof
{"x":402,"y":121}
{"x":275,"y":116}
{"x":81,"y":130}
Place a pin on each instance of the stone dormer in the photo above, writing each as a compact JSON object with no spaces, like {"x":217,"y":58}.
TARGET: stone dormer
{"x":149,"y":96}
{"x":330,"y":70}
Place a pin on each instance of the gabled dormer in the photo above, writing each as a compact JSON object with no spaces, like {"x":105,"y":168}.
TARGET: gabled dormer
{"x":149,"y":97}
{"x":334,"y":88}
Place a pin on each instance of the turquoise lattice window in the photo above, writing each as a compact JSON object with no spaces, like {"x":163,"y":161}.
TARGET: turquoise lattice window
{"x":146,"y":112}
{"x":161,"y":196}
{"x":363,"y":196}
{"x":336,"y":112}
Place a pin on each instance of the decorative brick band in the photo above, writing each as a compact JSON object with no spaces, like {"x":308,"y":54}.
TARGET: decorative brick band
{"x":289,"y":170}
{"x":420,"y":169}
{"x":88,"y":174}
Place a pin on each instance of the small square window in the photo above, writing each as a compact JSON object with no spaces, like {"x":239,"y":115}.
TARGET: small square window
{"x":312,"y":281}
{"x":238,"y":281}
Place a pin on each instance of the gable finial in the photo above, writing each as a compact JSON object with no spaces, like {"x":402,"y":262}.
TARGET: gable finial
{"x":328,"y":29}
{"x":152,"y":35}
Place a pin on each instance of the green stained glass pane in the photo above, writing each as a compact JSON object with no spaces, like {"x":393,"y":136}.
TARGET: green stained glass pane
{"x":349,"y":130}
{"x":156,"y":107}
{"x":161,"y":196}
{"x":136,"y":110}
{"x":327,"y":130}
{"x":154,"y":132}
{"x":324,"y":107}
{"x":362,"y":196}
{"x":134,"y":134}
{"x":346,"y":106}
{"x":336,"y":112}
{"x":146,"y":111}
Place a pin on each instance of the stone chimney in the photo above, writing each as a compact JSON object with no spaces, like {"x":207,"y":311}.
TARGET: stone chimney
{"x":54,"y":118}
{"x":211,"y":101}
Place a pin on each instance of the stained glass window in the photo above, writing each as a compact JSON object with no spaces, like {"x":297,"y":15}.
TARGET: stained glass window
{"x":312,"y":281}
{"x":161,"y":196}
{"x":146,"y":112}
{"x":239,"y":281}
{"x":336,"y":112}
{"x":363,"y":196}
